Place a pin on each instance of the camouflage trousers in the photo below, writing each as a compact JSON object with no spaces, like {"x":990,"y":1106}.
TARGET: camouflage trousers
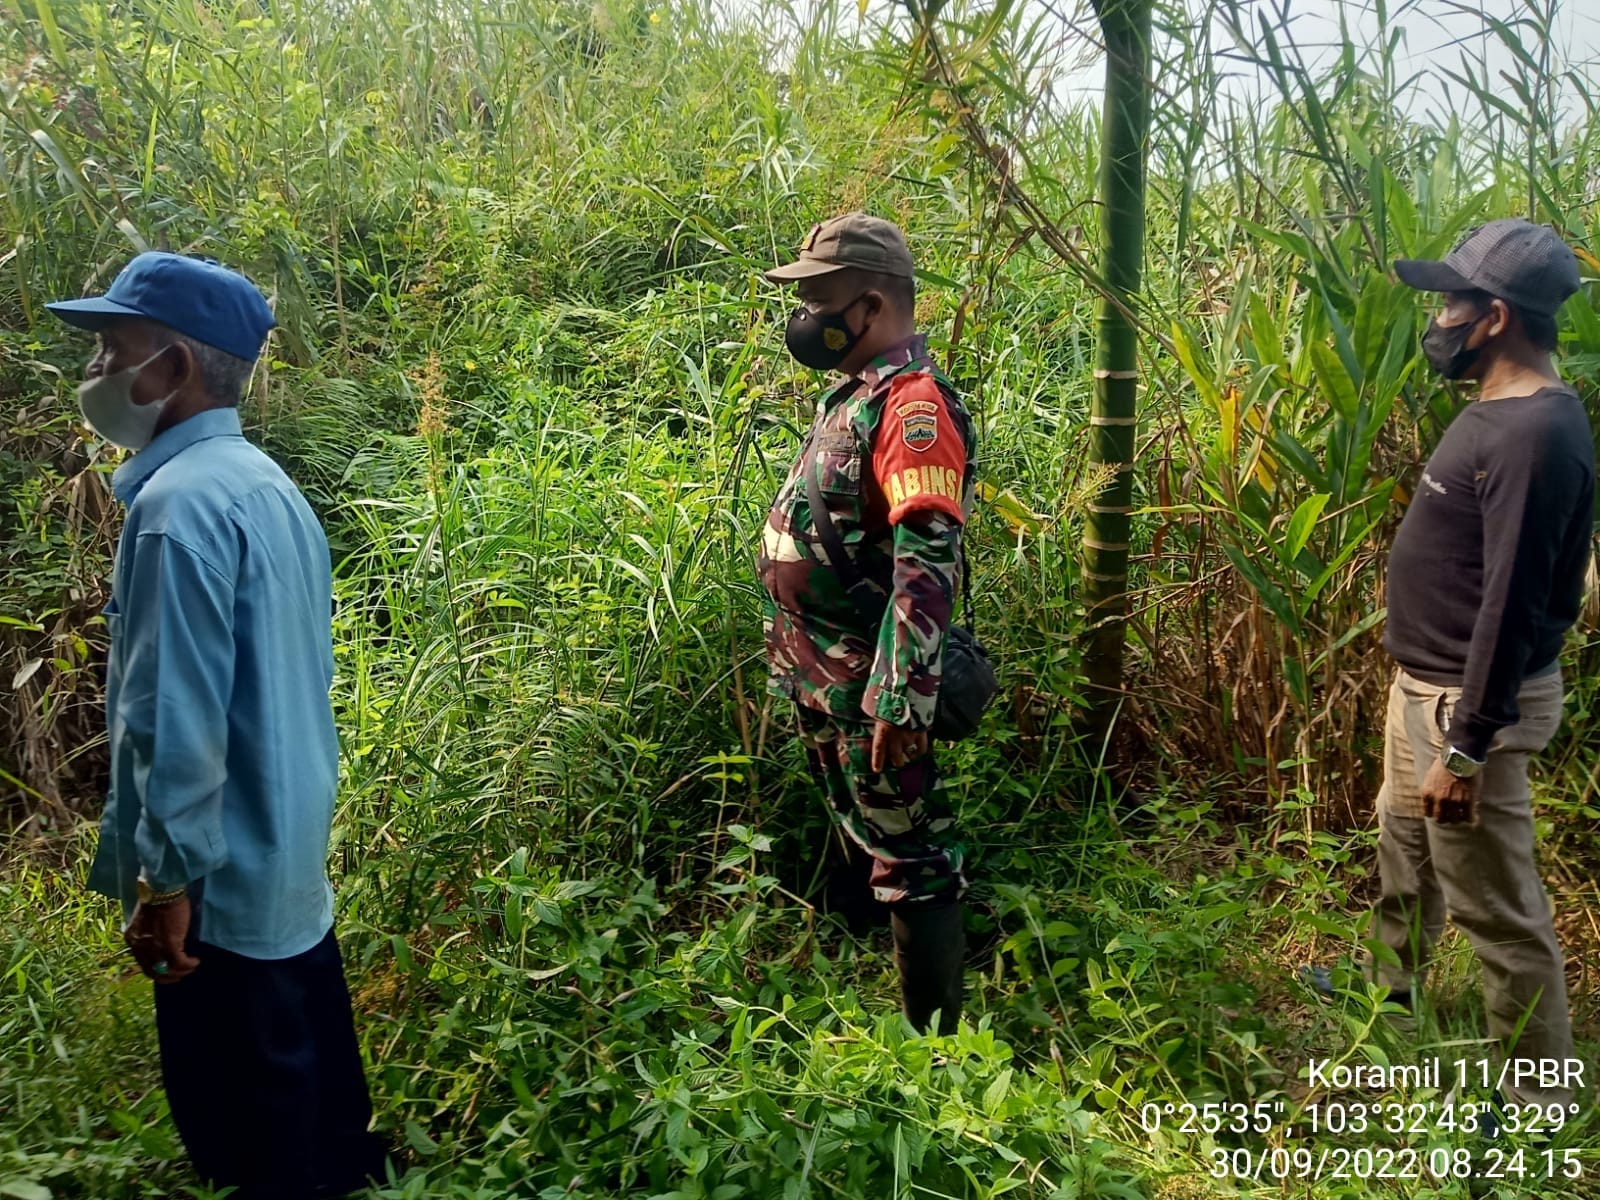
{"x":899,"y":817}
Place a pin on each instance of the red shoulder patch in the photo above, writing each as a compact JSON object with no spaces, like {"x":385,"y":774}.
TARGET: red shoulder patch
{"x":918,"y":454}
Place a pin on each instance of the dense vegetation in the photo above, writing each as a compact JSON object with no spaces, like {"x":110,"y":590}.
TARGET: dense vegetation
{"x":528,"y":375}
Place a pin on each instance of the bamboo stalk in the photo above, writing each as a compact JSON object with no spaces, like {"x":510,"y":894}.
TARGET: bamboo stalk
{"x":1125,"y":129}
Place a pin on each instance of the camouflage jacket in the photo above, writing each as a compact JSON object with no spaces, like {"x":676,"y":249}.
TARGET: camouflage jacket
{"x":896,"y":462}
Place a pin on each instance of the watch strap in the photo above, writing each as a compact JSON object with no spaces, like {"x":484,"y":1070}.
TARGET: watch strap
{"x":154,"y":899}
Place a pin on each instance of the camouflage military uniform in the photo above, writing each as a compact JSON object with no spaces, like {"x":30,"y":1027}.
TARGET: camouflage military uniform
{"x":895,"y":456}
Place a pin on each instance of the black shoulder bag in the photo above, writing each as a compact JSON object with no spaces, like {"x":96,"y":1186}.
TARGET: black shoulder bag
{"x":967,"y":684}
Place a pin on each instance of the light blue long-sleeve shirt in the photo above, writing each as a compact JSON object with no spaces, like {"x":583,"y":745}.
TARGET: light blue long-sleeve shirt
{"x":224,"y":758}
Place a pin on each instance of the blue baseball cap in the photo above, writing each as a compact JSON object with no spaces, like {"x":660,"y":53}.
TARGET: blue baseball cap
{"x":197,"y":297}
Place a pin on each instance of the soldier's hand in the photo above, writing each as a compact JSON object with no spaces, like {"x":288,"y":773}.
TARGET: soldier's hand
{"x":893,"y":746}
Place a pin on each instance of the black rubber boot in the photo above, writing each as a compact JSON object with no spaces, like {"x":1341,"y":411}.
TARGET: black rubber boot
{"x":847,"y":891}
{"x":929,"y":947}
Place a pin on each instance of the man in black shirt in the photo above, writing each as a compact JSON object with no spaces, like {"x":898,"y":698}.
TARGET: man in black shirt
{"x":1486,"y":576}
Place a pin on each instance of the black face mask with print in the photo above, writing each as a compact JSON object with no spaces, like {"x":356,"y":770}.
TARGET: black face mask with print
{"x":821,"y":341}
{"x":1446,"y":347}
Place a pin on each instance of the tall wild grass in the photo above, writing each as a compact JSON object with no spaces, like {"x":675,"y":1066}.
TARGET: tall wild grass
{"x":528,"y":374}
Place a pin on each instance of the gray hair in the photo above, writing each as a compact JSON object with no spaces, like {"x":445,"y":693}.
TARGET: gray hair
{"x":223,"y":375}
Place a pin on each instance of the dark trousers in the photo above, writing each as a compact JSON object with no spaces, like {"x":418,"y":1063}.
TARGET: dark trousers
{"x":264,"y":1076}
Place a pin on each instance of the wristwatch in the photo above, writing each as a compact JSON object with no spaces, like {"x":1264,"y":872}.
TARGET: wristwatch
{"x":1460,"y":765}
{"x":154,"y":899}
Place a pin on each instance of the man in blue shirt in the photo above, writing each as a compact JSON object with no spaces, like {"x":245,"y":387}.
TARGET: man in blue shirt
{"x":224,"y":758}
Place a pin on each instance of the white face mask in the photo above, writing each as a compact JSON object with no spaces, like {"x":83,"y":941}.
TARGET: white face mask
{"x":107,"y":404}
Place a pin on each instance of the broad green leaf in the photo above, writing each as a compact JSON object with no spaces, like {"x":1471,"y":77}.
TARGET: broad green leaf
{"x":1334,"y":382}
{"x":1301,"y":525}
{"x":1323,"y":923}
{"x":135,"y":238}
{"x":1367,"y":623}
{"x":1585,"y":322}
{"x":1012,"y":511}
{"x":1266,"y":335}
{"x":1352,"y":543}
{"x":67,"y":169}
{"x":1300,"y":459}
{"x":1402,"y":211}
{"x":1372,"y":319}
{"x":1300,"y":247}
{"x":420,"y":1141}
{"x":1188,"y":351}
{"x":1342,"y":341}
{"x":1271,"y":595}
{"x":1399,"y":353}
{"x":933,"y":277}
{"x":1295,"y":676}
{"x":52,"y":34}
{"x":997,"y":1091}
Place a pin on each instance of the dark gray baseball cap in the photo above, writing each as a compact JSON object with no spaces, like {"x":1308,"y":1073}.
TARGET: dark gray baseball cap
{"x":1526,"y":265}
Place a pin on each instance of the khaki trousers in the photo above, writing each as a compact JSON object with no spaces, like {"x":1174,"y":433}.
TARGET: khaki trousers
{"x":1482,"y":877}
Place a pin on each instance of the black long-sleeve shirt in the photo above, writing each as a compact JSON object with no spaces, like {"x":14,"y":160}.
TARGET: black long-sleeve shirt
{"x":1486,"y":573}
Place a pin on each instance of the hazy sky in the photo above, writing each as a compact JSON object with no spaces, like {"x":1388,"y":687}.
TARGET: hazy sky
{"x":1436,"y":33}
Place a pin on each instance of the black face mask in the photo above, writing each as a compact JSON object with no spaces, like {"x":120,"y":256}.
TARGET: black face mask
{"x":1446,"y":347}
{"x":821,"y":341}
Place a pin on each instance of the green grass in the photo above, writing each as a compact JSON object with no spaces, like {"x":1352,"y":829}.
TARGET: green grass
{"x":529,"y":378}
{"x":541,"y":1030}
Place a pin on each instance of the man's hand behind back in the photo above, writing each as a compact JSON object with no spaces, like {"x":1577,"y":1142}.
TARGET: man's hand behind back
{"x":156,"y":934}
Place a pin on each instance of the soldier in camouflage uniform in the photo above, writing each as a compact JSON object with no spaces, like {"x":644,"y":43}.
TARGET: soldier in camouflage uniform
{"x":893,"y":452}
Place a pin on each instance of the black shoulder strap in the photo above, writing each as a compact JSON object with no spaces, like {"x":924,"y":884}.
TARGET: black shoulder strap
{"x":839,"y":558}
{"x":833,"y":547}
